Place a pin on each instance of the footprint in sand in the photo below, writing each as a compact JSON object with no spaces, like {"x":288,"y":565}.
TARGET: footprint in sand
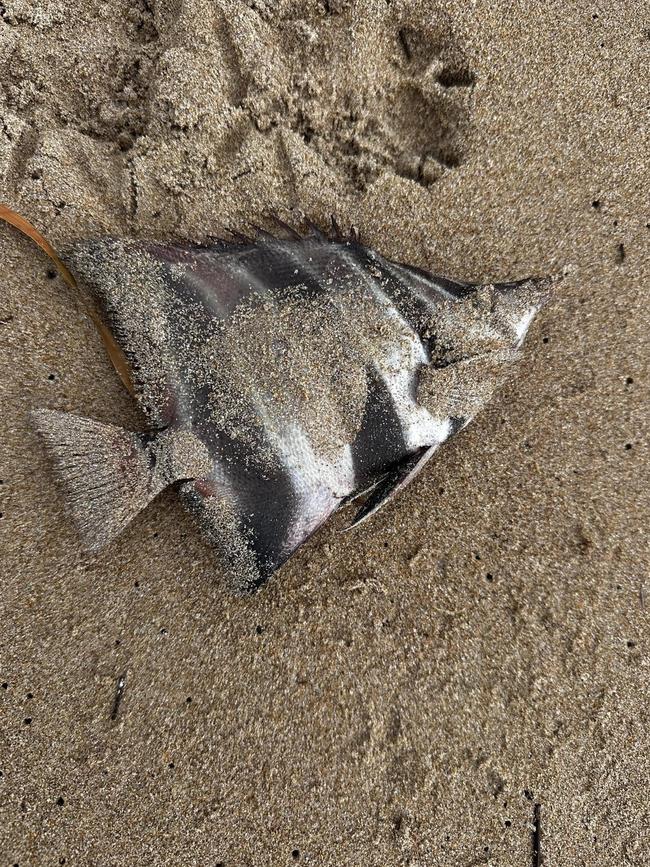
{"x":366,"y":99}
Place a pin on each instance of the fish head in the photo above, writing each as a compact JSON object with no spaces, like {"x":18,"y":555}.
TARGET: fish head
{"x":513,"y":306}
{"x":475,"y":342}
{"x":490,"y":318}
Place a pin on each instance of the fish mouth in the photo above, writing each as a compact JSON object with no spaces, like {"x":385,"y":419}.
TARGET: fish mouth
{"x":539,"y":289}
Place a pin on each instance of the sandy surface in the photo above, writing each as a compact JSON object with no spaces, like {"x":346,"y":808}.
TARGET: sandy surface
{"x":407,"y":693}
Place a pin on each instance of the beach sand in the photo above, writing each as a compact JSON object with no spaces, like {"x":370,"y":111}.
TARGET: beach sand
{"x":416,"y":691}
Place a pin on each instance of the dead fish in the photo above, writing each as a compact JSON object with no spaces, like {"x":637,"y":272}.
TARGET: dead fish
{"x":282,"y":376}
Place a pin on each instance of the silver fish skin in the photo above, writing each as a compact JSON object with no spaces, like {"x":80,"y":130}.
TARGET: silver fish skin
{"x":281,"y":378}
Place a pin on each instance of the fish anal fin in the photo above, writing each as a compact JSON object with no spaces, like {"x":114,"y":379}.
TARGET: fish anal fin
{"x":392,"y":483}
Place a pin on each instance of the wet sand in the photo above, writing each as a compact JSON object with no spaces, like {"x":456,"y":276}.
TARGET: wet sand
{"x":407,"y":693}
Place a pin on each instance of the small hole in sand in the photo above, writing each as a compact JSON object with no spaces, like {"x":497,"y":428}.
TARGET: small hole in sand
{"x":50,"y":273}
{"x":628,"y":381}
{"x":27,"y":721}
{"x":596,"y":204}
{"x":628,"y":446}
{"x":295,"y":854}
{"x":631,"y":643}
{"x":461,"y":78}
{"x":544,"y":339}
{"x":60,"y":802}
{"x":489,"y":577}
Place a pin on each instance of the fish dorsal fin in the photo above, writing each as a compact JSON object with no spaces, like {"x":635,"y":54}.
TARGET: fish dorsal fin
{"x":392,"y":483}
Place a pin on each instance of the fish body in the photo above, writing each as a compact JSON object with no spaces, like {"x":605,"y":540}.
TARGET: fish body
{"x":281,"y":377}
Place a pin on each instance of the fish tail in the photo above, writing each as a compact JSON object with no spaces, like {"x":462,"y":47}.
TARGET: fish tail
{"x":108,"y":472}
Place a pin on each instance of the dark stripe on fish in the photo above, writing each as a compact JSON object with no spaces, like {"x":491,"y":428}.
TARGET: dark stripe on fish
{"x":263,"y":496}
{"x":433,"y":288}
{"x":456,"y":424}
{"x":380,"y":441}
{"x":413,"y":291}
{"x":276,"y":267}
{"x":199,"y":273}
{"x":412,"y":307}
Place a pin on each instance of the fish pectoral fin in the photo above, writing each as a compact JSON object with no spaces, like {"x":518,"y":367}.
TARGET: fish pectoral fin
{"x":361,"y":493}
{"x":109,"y":474}
{"x":392,"y":483}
